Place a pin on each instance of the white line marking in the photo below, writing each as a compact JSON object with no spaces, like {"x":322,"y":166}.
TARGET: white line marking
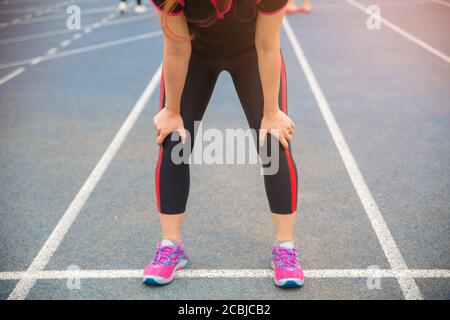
{"x":12,"y":75}
{"x":403,"y":33}
{"x":35,"y":36}
{"x":39,"y":35}
{"x":36,"y":60}
{"x":107,"y":44}
{"x":39,"y":18}
{"x":227,"y":273}
{"x":53,"y":241}
{"x":408,"y":286}
{"x":27,"y":20}
{"x":65,"y":43}
{"x":77,"y":36}
{"x":94,"y":47}
{"x":47,"y":18}
{"x":441,"y":3}
{"x":52,"y":51}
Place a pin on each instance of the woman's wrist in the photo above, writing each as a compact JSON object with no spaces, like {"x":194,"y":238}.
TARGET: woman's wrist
{"x":270,"y":111}
{"x":175,"y":110}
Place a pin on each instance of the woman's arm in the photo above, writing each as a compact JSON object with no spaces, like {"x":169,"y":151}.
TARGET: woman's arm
{"x":267,"y":42}
{"x":177,"y":52}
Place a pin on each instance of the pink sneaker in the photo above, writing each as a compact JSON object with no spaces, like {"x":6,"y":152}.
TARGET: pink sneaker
{"x":168,"y":259}
{"x":288,"y":271}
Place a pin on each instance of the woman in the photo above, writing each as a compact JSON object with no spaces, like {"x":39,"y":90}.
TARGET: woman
{"x":201,"y":39}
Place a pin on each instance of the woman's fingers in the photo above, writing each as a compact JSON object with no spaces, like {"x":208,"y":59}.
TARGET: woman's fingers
{"x":284,"y":137}
{"x":288,"y":137}
{"x":162,"y":135}
{"x":262,"y":136}
{"x":281,"y":127}
{"x":160,"y":138}
{"x":183,"y":134}
{"x":284,"y":143}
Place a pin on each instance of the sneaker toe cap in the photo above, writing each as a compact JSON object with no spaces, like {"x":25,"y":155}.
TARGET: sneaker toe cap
{"x":281,"y":274}
{"x":163,"y":272}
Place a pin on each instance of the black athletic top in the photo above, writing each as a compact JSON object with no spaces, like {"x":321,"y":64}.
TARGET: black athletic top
{"x":234,"y":30}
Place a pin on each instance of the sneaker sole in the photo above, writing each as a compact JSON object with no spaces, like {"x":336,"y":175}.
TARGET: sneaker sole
{"x":160,"y":281}
{"x":289,"y":283}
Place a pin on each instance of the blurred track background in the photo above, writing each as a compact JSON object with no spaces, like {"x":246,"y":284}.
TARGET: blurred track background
{"x":372,"y":112}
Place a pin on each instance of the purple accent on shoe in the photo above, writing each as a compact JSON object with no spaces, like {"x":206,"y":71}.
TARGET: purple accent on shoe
{"x":168,"y":259}
{"x":288,"y":271}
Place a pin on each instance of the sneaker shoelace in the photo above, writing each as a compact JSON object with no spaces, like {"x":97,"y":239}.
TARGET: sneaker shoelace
{"x":287,"y":258}
{"x":163,"y":256}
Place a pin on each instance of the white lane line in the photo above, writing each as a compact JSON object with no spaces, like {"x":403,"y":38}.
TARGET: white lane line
{"x":65,"y":31}
{"x":21,"y":10}
{"x":53,"y":241}
{"x":94,"y":47}
{"x":104,"y":45}
{"x":39,"y":19}
{"x":227,"y":273}
{"x":49,"y":54}
{"x":36,"y":60}
{"x":51,"y":51}
{"x":65,"y":43}
{"x":441,"y":3}
{"x":404,"y":33}
{"x":12,"y":75}
{"x":408,"y":286}
{"x":31,"y":2}
{"x":35,"y":36}
{"x":27,"y":19}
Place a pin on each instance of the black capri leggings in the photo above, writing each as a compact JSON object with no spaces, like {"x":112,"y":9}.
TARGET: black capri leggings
{"x":172,"y":180}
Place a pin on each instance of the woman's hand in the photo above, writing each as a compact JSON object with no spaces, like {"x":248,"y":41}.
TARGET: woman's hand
{"x":279,"y":125}
{"x":168,"y":121}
